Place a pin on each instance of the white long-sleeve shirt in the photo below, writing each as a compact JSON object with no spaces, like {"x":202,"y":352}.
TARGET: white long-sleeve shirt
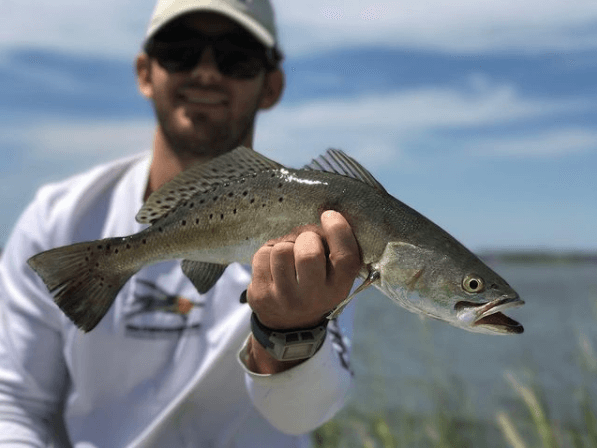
{"x":162,"y":368}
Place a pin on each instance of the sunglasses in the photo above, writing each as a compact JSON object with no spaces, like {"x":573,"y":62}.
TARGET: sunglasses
{"x":235,"y":56}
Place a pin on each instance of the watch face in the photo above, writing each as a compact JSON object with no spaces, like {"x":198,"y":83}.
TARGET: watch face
{"x":299,"y":351}
{"x":289,"y":345}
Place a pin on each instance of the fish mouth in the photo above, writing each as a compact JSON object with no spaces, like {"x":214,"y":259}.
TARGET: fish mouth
{"x":489,"y":315}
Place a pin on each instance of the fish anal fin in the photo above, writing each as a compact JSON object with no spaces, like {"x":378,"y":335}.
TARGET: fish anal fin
{"x":203,"y":275}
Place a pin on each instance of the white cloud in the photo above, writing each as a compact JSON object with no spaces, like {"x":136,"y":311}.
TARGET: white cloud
{"x":463,"y":26}
{"x":395,"y":120}
{"x":83,"y":143}
{"x":381,"y":124}
{"x":117,"y":27}
{"x":553,"y":143}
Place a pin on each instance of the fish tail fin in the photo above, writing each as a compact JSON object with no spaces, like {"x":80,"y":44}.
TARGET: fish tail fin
{"x":82,"y":279}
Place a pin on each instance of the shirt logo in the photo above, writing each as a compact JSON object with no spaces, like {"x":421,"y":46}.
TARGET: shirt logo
{"x":154,"y":312}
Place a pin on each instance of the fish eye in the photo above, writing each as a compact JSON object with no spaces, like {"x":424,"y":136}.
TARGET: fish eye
{"x":473,"y":283}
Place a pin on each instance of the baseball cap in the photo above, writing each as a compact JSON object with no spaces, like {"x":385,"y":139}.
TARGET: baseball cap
{"x":256,"y":16}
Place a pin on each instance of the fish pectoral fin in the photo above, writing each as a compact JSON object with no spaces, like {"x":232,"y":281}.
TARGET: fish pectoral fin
{"x":371,"y":278}
{"x":203,"y":275}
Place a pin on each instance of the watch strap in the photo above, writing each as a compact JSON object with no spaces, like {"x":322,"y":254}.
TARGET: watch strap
{"x":289,"y":344}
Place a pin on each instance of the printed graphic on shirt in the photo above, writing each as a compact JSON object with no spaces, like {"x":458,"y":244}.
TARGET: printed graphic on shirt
{"x":153,"y":312}
{"x":341,"y":344}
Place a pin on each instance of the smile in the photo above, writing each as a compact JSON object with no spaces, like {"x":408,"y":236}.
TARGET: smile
{"x":204,"y":98}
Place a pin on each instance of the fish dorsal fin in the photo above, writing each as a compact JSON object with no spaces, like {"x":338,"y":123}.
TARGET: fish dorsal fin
{"x":336,"y":161}
{"x":202,"y":177}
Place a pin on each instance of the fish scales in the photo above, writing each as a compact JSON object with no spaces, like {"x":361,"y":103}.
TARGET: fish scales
{"x":223,"y":211}
{"x":279,"y":200}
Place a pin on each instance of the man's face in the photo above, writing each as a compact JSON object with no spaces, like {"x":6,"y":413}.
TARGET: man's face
{"x":200,"y":111}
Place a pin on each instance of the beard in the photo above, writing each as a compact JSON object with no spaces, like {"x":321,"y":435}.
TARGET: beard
{"x":220,"y":138}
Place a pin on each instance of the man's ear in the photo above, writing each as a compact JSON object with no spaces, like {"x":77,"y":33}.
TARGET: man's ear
{"x":143,"y":68}
{"x":273,"y":88}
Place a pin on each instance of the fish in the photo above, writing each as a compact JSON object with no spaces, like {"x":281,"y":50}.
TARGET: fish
{"x":220,"y":212}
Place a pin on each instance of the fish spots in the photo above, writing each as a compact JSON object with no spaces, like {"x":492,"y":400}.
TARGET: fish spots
{"x":183,"y":223}
{"x":221,"y":216}
{"x":191,"y":205}
{"x":144,"y":241}
{"x":197,"y":221}
{"x":128,"y":246}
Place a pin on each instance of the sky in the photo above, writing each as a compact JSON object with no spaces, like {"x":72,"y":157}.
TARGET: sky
{"x":479,"y":114}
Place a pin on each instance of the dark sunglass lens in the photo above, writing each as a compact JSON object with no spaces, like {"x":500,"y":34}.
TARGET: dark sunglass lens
{"x":175,"y":58}
{"x":237,"y":59}
{"x":239,"y":64}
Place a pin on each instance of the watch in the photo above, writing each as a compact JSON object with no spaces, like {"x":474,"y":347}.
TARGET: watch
{"x":291,"y":344}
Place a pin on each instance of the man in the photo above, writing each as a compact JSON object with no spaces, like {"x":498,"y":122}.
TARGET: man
{"x":167,"y":366}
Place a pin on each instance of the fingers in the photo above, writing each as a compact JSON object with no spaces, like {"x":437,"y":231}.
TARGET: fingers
{"x":345,"y":256}
{"x":310,"y":260}
{"x":299,"y":278}
{"x":282,"y":265}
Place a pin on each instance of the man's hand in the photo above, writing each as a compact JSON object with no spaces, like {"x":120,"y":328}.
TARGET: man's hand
{"x":298,"y":279}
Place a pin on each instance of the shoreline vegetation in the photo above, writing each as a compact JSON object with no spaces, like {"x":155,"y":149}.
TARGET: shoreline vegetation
{"x":542,"y":256}
{"x":525,"y":422}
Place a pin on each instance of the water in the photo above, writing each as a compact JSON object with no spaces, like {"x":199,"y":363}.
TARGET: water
{"x":406,"y":363}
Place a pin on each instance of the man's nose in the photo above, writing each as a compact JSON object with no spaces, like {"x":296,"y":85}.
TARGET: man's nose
{"x":206,"y":70}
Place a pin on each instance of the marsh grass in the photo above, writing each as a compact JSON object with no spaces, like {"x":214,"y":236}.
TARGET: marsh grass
{"x":525,"y":423}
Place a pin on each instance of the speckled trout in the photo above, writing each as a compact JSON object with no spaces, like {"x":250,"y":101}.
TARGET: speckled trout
{"x":223,"y":211}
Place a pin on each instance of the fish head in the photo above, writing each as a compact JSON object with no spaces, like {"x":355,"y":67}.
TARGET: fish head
{"x":449,"y":285}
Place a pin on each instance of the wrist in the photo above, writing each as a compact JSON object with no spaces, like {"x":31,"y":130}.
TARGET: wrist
{"x":289,"y":344}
